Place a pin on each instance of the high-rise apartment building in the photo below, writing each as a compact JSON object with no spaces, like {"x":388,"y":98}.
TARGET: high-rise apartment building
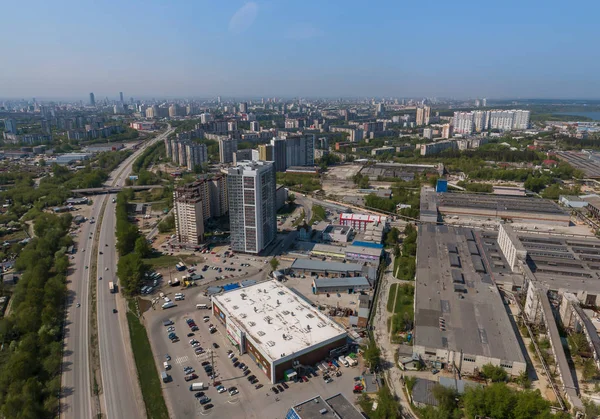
{"x":244,"y":154}
{"x":168,"y":148}
{"x":480,"y":120}
{"x":255,"y":126}
{"x":423,"y":115}
{"x":279,"y":154}
{"x":231,"y":125}
{"x":501,"y":120}
{"x":219,"y":201}
{"x":484,"y":102}
{"x":92,"y":100}
{"x":205,"y":118}
{"x":190,"y":207}
{"x":121,"y":97}
{"x":521,"y":119}
{"x":196,"y":155}
{"x":244,"y":107}
{"x":463,"y":122}
{"x":227,"y":146}
{"x":300,"y":150}
{"x":252,"y":208}
{"x":175,"y":151}
{"x":10,"y":126}
{"x":265,"y":152}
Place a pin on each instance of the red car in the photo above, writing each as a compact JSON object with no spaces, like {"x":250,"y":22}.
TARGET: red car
{"x":304,"y":379}
{"x":190,"y":377}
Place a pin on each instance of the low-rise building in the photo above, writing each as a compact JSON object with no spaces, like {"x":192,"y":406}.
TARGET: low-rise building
{"x":348,"y":285}
{"x":338,"y":233}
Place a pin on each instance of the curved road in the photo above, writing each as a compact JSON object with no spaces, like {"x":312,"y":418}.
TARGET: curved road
{"x":122,"y":396}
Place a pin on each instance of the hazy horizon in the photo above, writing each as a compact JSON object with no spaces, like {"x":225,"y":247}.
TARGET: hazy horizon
{"x":304,"y":49}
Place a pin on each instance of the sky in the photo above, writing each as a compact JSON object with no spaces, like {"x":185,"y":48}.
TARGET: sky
{"x":309,"y":48}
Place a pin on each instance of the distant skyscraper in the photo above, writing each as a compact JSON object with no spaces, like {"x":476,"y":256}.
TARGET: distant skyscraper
{"x":380,"y":109}
{"x":121,"y":97}
{"x":484,"y":102}
{"x":477,"y":103}
{"x":227,"y":146}
{"x":255,"y":126}
{"x":218,"y":99}
{"x":423,"y":115}
{"x":252,"y":207}
{"x":10,"y":126}
{"x":244,"y":107}
{"x":92,"y":100}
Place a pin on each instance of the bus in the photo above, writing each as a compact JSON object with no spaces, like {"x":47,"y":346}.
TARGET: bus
{"x":111,"y":287}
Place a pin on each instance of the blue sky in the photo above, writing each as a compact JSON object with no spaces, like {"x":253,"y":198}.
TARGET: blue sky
{"x":202,"y":48}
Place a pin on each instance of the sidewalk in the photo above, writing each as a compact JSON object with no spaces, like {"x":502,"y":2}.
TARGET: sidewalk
{"x":382,"y":337}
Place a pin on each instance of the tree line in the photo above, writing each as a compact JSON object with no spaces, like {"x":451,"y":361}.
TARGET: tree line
{"x":132,"y":247}
{"x":31,"y":337}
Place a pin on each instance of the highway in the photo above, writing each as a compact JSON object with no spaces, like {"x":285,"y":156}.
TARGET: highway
{"x":76,"y":385}
{"x":76,"y":398}
{"x":122,"y":396}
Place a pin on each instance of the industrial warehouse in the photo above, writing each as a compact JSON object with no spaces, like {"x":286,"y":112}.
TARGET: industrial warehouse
{"x":496,"y":207}
{"x":461,"y":322}
{"x":280,"y":331}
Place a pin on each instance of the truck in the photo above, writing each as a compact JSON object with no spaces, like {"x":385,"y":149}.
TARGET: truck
{"x":180,"y":266}
{"x":351,"y":361}
{"x":197,"y":386}
{"x":342,"y":360}
{"x":111,"y":287}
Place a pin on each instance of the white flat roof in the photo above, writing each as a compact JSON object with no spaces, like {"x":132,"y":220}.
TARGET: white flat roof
{"x":277,"y":320}
{"x":362,"y":217}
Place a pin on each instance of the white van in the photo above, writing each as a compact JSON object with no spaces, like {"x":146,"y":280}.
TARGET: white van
{"x":167,"y":300}
{"x":201,"y":306}
{"x":168,"y":305}
{"x":166,"y":365}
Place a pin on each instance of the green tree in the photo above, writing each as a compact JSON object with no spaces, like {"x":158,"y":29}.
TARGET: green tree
{"x":291,"y":199}
{"x":372,"y":354}
{"x":589,"y":369}
{"x":274,"y":264}
{"x":131,"y":270}
{"x":142,"y":247}
{"x":494,"y":373}
{"x":392,"y":236}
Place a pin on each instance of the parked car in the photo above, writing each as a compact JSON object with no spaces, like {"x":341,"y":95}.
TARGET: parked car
{"x":258,"y":386}
{"x":199,"y":394}
{"x":279,"y":388}
{"x":208,"y":406}
{"x":285,"y":386}
{"x":274,"y":390}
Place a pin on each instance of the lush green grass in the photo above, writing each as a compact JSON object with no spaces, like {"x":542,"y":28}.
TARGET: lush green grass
{"x":391,"y":297}
{"x":162,"y":261}
{"x":403,"y":317}
{"x":318,"y":214}
{"x":146,"y":368}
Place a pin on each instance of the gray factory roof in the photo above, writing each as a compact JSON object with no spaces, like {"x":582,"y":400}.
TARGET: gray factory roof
{"x":349,"y":281}
{"x":467,"y":316}
{"x":560,"y":262}
{"x":499,"y":203}
{"x":335,"y":407}
{"x":318,"y":265}
{"x":428,"y":205}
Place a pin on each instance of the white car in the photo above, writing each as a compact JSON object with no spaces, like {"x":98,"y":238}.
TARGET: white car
{"x":233,"y":392}
{"x":222,"y":390}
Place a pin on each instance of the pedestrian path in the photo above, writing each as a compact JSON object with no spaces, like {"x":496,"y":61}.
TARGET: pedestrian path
{"x":182,"y":359}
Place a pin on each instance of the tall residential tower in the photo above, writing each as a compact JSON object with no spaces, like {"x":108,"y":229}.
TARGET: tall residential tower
{"x":252,"y":208}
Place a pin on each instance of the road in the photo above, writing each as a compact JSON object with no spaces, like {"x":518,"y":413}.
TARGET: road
{"x":76,"y":386}
{"x":122,"y":396}
{"x":76,"y":398}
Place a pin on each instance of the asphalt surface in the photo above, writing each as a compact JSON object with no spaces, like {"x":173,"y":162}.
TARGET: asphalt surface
{"x":122,"y":396}
{"x":76,"y":400}
{"x":76,"y":386}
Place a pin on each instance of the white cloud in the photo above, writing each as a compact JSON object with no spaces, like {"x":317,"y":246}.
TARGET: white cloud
{"x":302,"y":31}
{"x":243,"y":18}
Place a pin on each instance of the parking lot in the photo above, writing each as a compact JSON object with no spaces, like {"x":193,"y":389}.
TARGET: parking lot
{"x":249,"y":402}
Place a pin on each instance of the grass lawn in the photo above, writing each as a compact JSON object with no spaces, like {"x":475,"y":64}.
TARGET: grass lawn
{"x":162,"y":261}
{"x":300,"y":219}
{"x":318,"y":214}
{"x":146,"y":368}
{"x":391,"y":297}
{"x":403,"y":318}
{"x":15,"y":235}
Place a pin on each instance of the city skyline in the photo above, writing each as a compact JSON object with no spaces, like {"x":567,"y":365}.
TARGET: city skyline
{"x":242,"y":49}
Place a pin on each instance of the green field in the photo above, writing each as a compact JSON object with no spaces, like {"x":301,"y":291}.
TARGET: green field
{"x":391,"y":297}
{"x":146,"y":368}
